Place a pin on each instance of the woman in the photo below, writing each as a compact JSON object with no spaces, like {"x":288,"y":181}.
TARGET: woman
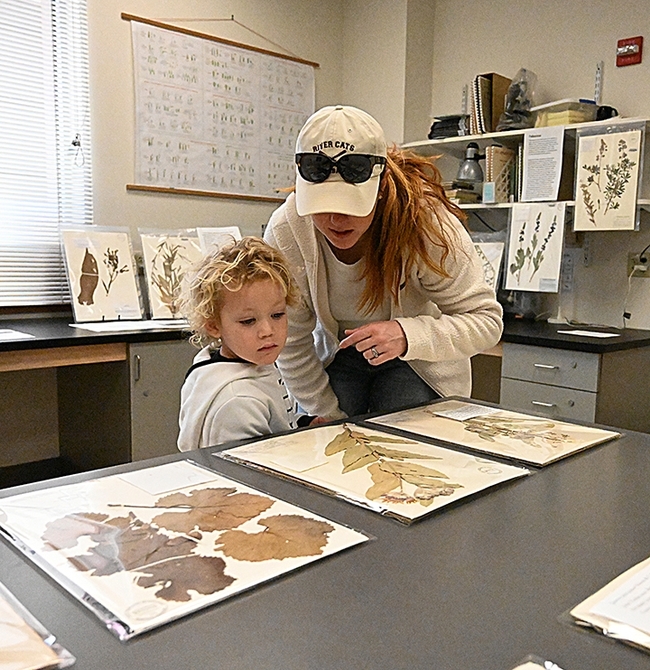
{"x":394,"y":301}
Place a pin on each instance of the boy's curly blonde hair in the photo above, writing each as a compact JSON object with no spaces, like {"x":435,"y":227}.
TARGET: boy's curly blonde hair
{"x":228,"y":269}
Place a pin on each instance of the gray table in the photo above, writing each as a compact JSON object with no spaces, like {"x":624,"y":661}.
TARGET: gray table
{"x":475,"y":587}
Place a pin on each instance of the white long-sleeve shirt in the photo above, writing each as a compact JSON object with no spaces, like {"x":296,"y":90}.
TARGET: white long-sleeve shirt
{"x":446,"y":320}
{"x":224,"y":400}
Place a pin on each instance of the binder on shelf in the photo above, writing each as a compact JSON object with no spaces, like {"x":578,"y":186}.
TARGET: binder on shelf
{"x":488,"y":100}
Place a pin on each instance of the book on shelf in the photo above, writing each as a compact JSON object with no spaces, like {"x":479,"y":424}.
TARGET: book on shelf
{"x":460,"y":183}
{"x":463,"y":196}
{"x":452,"y":125}
{"x":488,"y":100}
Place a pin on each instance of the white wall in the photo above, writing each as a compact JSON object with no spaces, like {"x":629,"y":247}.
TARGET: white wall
{"x":561,"y":42}
{"x":361,"y":46}
{"x":307,"y":28}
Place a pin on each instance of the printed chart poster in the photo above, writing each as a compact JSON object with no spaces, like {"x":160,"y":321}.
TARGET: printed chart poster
{"x":146,"y":547}
{"x":216,"y":117}
{"x":101,"y":274}
{"x":607,"y":180}
{"x":397,"y":476}
{"x":535,"y":247}
{"x":490,"y":254}
{"x":167,"y":256}
{"x":529,"y":439}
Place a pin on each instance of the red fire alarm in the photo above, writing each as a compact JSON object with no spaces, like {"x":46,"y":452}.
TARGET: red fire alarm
{"x":628,"y":51}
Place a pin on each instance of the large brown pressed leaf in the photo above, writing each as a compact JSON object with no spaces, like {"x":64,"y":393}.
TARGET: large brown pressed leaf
{"x":121,"y":543}
{"x":64,"y":533}
{"x":285,"y":536}
{"x":174,"y":579}
{"x":210,"y":509}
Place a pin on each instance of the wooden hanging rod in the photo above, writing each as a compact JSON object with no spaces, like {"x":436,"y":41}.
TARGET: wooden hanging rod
{"x":207,"y":194}
{"x":221,"y":40}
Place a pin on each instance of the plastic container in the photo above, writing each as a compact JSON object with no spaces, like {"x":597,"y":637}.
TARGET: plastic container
{"x":563,"y":112}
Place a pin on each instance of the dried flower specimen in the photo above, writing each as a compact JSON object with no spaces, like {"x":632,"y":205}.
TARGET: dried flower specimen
{"x":534,"y":254}
{"x":167,"y":258}
{"x":94,"y":255}
{"x":495,"y":431}
{"x":112,"y":263}
{"x":607,"y":181}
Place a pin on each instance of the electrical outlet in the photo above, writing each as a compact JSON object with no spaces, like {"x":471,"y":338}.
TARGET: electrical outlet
{"x":636,"y":268}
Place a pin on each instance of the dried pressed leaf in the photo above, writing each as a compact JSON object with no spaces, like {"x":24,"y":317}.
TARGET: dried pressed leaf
{"x":339,"y":443}
{"x":64,"y":533}
{"x":356,"y":456}
{"x":399,"y":454}
{"x":174,"y":579}
{"x":384,"y":482}
{"x":285,"y":536}
{"x":376,"y":439}
{"x":210,"y":509}
{"x":127,"y":543}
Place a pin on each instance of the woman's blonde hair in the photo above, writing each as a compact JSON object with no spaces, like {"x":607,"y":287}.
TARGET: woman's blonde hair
{"x":229,"y":269}
{"x":409,"y":221}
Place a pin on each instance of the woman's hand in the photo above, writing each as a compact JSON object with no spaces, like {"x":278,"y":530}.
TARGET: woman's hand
{"x":379,"y":342}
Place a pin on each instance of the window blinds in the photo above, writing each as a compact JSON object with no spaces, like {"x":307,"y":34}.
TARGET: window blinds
{"x":45,"y":169}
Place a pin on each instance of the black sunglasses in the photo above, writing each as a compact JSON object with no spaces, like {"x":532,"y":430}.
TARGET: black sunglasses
{"x":353,"y":168}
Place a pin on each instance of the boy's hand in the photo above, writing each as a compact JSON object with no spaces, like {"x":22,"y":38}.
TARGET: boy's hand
{"x":318,"y":421}
{"x":379,"y":342}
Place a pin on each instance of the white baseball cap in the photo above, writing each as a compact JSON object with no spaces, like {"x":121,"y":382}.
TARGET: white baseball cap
{"x":337,"y":131}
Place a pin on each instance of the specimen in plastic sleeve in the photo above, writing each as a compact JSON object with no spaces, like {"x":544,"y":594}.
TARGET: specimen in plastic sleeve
{"x":620,"y":609}
{"x":529,"y":439}
{"x":102,"y":274}
{"x":167,"y":256}
{"x":535,"y":247}
{"x":490,"y":255}
{"x":148,"y":546}
{"x":212,"y":239}
{"x":607,"y":176}
{"x":24,"y":643}
{"x":396,"y":476}
{"x":533,"y":662}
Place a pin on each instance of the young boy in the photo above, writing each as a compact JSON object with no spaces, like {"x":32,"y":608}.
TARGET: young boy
{"x":236,"y":303}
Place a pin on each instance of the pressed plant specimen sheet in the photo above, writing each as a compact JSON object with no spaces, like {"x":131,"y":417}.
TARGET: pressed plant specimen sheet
{"x":167,"y":257}
{"x":535,"y":247}
{"x":102,"y":274}
{"x":149,"y":546}
{"x":620,"y":609}
{"x":607,"y":181}
{"x":25,"y":644}
{"x":393,"y":475}
{"x":530,"y":439}
{"x":490,"y":255}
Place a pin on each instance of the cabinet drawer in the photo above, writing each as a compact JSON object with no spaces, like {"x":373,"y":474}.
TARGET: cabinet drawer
{"x":560,"y":367}
{"x":552,"y":401}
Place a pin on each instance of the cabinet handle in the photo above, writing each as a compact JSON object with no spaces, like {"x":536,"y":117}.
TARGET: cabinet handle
{"x":546,"y":367}
{"x":542,"y":404}
{"x":136,"y":367}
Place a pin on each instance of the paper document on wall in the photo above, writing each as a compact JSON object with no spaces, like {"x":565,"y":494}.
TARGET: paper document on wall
{"x":542,"y":163}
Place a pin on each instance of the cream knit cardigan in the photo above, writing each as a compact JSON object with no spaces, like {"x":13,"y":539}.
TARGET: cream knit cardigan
{"x":446,"y":320}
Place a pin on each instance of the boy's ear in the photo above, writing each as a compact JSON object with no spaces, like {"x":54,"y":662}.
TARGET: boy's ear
{"x":212,"y":329}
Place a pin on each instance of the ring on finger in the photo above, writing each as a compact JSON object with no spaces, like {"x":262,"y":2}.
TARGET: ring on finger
{"x":375,"y":353}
